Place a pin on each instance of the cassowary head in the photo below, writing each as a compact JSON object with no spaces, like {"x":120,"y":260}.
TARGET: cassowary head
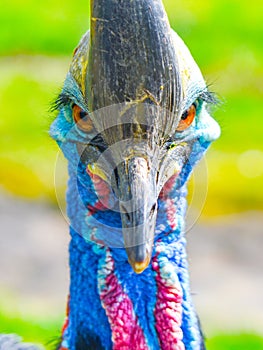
{"x":133,"y":121}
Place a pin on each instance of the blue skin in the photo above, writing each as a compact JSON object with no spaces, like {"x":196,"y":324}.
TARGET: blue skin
{"x":88,"y":322}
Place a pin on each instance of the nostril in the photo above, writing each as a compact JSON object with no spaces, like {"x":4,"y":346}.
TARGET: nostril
{"x":115,"y":179}
{"x":115,"y":183}
{"x":152,"y":211}
{"x":128,"y":217}
{"x":116,"y":176}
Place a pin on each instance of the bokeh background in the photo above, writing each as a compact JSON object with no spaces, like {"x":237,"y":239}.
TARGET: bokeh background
{"x":225,"y":244}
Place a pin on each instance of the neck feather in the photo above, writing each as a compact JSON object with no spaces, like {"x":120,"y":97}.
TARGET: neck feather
{"x":111,"y":307}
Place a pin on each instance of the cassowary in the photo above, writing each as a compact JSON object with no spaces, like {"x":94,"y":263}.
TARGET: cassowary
{"x":132,"y":123}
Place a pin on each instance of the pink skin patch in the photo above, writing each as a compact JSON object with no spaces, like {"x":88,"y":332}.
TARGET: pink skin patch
{"x":171,"y":213}
{"x":103,"y":192}
{"x":168,"y":310}
{"x":126,"y":332}
{"x":168,"y":186}
{"x":169,"y":203}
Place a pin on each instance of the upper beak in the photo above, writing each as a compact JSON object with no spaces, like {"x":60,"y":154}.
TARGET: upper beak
{"x":138,"y":209}
{"x":132,"y":58}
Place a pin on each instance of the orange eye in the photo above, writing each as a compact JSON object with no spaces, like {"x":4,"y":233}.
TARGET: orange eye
{"x":82,"y":119}
{"x":187,"y":118}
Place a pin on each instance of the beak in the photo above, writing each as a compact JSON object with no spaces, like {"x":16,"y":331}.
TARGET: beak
{"x":132,"y":58}
{"x":138,"y":209}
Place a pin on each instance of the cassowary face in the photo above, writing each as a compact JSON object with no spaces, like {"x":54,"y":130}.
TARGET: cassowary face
{"x":134,"y":107}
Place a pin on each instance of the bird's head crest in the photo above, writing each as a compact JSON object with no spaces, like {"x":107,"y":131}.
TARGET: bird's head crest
{"x":133,"y":116}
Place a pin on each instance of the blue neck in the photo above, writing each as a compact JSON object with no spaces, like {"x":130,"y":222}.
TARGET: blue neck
{"x":89,"y":325}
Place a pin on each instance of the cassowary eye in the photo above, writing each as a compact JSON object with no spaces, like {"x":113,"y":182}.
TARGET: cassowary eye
{"x":82,"y":119}
{"x":187,"y":118}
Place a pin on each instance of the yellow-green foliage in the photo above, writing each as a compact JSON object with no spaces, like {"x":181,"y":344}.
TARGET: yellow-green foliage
{"x":38,"y":332}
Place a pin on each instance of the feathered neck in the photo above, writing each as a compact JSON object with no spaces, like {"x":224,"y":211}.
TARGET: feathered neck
{"x":110,"y":306}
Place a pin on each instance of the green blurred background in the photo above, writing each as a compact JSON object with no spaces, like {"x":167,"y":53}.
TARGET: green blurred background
{"x":36,"y":44}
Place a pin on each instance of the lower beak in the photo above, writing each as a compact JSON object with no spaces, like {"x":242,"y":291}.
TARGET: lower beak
{"x":138,"y":209}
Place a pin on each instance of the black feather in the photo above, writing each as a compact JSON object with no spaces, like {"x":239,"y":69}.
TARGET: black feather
{"x":62,"y":100}
{"x":89,"y":342}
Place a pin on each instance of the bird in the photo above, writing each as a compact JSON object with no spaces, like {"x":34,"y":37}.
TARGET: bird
{"x":132,"y":121}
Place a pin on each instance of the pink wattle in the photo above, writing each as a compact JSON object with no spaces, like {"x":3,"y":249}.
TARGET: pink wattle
{"x":126,"y":332}
{"x":168,"y":310}
{"x":103,"y":192}
{"x":170,"y":207}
